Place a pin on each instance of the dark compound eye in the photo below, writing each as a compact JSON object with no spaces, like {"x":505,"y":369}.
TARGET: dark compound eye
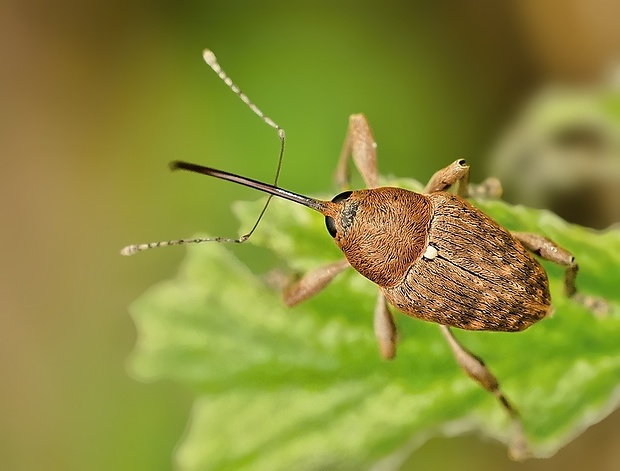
{"x":331,"y":226}
{"x":341,"y":197}
{"x":329,"y":221}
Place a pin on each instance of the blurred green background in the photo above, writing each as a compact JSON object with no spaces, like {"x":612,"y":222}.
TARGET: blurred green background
{"x":96,"y":98}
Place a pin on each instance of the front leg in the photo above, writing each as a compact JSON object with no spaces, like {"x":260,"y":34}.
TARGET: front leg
{"x":385,"y":328}
{"x":549,"y":250}
{"x":360,"y":144}
{"x":313,"y":282}
{"x":316,"y":280}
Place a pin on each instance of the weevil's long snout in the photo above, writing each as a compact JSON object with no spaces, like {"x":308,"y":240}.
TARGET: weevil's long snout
{"x":318,"y":205}
{"x":327,"y":208}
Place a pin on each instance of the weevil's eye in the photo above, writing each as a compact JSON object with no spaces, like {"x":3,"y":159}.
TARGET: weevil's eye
{"x":341,"y":197}
{"x":331,"y":226}
{"x":329,"y":221}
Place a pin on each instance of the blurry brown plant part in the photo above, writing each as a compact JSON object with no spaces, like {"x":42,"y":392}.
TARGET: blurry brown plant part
{"x":563,"y":153}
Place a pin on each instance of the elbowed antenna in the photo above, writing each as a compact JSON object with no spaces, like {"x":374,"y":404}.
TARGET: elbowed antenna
{"x":211,"y":61}
{"x":317,"y":205}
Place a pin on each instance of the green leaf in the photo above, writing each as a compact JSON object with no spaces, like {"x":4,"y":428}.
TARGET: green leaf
{"x":304,"y":388}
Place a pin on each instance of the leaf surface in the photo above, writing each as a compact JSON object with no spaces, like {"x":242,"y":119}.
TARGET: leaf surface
{"x":305,"y":389}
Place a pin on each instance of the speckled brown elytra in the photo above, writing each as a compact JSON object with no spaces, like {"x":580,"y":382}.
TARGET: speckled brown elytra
{"x":432,"y":255}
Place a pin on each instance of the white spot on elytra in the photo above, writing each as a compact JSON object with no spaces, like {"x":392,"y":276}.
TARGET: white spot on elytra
{"x":430,"y":253}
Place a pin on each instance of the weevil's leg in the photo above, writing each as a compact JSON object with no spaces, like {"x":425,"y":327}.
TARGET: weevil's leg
{"x":313,"y":282}
{"x":549,"y":250}
{"x":490,"y":188}
{"x":458,"y":172}
{"x":385,"y":328}
{"x":478,"y":371}
{"x":360,"y":144}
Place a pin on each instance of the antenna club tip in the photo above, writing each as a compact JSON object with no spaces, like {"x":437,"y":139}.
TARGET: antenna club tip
{"x":209,"y":57}
{"x":129,"y":250}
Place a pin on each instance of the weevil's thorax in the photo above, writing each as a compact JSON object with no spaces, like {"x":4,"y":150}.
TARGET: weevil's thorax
{"x":382,"y":231}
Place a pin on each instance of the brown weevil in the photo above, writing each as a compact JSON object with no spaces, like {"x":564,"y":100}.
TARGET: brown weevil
{"x":433,"y":255}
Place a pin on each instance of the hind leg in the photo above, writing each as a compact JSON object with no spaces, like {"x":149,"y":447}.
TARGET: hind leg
{"x":549,"y":250}
{"x":479,"y":372}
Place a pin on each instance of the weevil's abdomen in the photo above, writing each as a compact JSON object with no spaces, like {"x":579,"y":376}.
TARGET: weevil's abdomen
{"x":475,"y":276}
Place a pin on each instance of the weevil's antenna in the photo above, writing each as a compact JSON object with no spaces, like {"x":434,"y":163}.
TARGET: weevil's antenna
{"x":317,"y":205}
{"x":211,"y":60}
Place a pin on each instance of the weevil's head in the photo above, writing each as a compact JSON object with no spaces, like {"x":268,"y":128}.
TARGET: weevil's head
{"x":381,"y":231}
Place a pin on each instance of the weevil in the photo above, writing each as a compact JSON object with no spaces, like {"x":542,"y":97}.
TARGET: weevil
{"x":433,"y":255}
